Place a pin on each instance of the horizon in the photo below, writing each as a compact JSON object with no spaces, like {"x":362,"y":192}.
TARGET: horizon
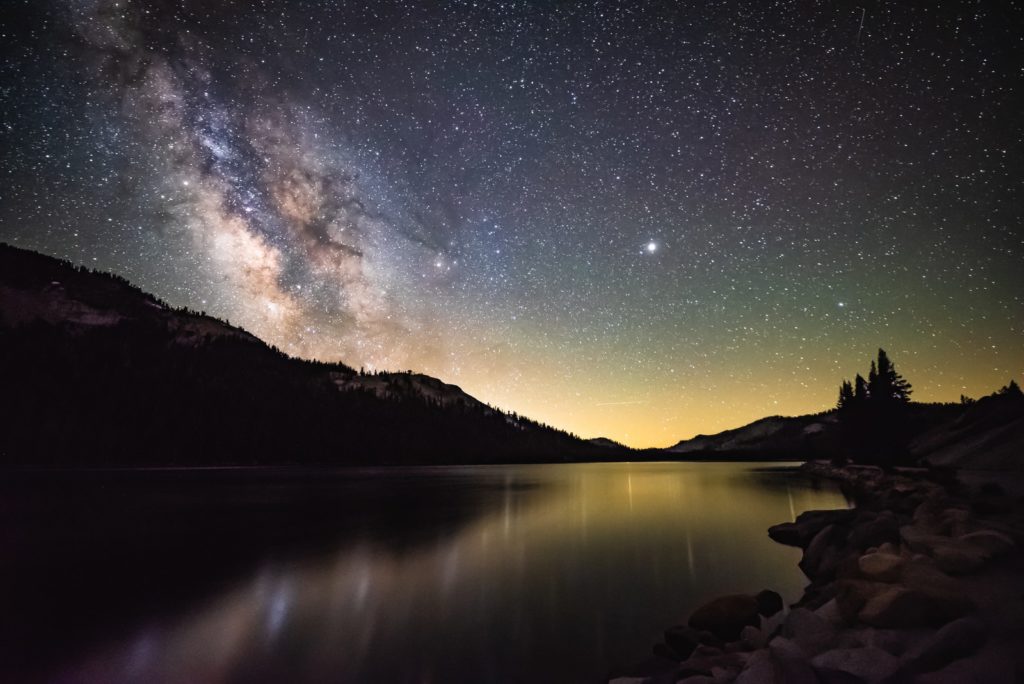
{"x":829,"y":409}
{"x":642,"y":222}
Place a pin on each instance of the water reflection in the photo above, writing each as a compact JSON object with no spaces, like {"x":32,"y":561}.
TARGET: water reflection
{"x":558,"y":573}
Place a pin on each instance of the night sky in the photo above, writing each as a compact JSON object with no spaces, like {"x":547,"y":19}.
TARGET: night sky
{"x":627,"y":219}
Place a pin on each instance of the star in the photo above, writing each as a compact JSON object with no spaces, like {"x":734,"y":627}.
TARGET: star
{"x":451,"y":190}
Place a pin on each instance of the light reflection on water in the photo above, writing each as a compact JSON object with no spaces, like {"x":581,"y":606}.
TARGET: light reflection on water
{"x":555,"y":573}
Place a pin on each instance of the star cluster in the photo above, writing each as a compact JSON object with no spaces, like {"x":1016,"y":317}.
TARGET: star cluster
{"x":640,"y":220}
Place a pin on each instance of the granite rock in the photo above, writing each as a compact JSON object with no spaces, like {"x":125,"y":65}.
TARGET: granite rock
{"x":726,"y":616}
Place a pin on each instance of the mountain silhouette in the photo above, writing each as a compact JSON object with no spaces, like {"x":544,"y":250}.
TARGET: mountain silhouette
{"x":97,"y":372}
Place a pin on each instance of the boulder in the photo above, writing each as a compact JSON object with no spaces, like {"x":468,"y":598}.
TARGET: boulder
{"x":947,"y":598}
{"x":724,"y":675}
{"x":786,"y":533}
{"x":894,"y":641}
{"x":920,"y":540}
{"x":956,"y":640}
{"x":791,"y":664}
{"x":816,"y":520}
{"x":759,"y":669}
{"x":848,"y":638}
{"x":984,"y":668}
{"x":853,"y":595}
{"x":956,"y":521}
{"x":824,"y":553}
{"x":927,"y":596}
{"x":752,"y":638}
{"x":883,"y":529}
{"x":881,"y":567}
{"x":709,"y":662}
{"x":958,"y":558}
{"x":817,"y":593}
{"x":990,"y":541}
{"x":868,"y":664}
{"x":726,"y":616}
{"x":705,"y":651}
{"x":812,"y":633}
{"x":683,"y":640}
{"x":897,"y":606}
{"x":768,"y":602}
{"x":846,"y":567}
{"x":928,"y":516}
{"x":829,"y":612}
{"x":890,"y":548}
{"x":807,"y":525}
{"x":651,"y":670}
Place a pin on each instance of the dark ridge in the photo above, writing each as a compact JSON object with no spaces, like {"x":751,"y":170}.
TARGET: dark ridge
{"x":97,"y":372}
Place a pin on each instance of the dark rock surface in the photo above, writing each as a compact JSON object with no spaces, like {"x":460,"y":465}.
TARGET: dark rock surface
{"x":918,"y":584}
{"x":726,"y":616}
{"x":769,"y":602}
{"x":956,"y":640}
{"x":863,"y":664}
{"x":808,"y":630}
{"x":683,"y":640}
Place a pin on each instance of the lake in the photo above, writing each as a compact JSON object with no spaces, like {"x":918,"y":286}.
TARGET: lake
{"x":446,"y":574}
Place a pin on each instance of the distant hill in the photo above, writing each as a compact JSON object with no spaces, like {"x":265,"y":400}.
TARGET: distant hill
{"x":97,"y":372}
{"x":606,"y":443}
{"x":988,"y":433}
{"x":796,"y":438}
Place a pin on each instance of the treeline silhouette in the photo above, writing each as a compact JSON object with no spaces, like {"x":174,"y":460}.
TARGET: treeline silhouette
{"x":878,"y":420}
{"x":884,"y":387}
{"x":1010,"y":390}
{"x":133,"y":392}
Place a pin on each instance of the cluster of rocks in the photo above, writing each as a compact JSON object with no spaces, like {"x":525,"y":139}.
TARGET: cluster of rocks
{"x":921,"y":582}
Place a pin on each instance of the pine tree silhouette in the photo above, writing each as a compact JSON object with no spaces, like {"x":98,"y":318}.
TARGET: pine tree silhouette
{"x":888,"y":385}
{"x":874,"y":414}
{"x":860,"y":389}
{"x":1012,"y":389}
{"x":846,"y":397}
{"x":884,"y":385}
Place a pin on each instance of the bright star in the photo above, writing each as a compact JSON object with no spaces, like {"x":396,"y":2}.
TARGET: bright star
{"x":652,"y":247}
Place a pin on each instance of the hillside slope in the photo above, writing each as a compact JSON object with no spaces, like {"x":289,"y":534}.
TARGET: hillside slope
{"x":988,"y":434}
{"x":799,"y":437}
{"x":95,"y":371}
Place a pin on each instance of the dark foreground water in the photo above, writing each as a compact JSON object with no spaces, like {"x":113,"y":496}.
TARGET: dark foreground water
{"x":464,"y":574}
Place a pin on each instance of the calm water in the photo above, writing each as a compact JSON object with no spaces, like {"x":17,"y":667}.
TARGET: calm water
{"x":463,"y":574}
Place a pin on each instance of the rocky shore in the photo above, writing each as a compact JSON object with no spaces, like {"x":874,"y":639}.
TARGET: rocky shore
{"x":921,"y":582}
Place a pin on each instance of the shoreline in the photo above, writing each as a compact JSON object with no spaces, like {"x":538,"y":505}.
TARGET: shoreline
{"x":919,"y":582}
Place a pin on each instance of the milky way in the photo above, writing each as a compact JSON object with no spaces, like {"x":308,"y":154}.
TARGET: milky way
{"x":633,"y":219}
